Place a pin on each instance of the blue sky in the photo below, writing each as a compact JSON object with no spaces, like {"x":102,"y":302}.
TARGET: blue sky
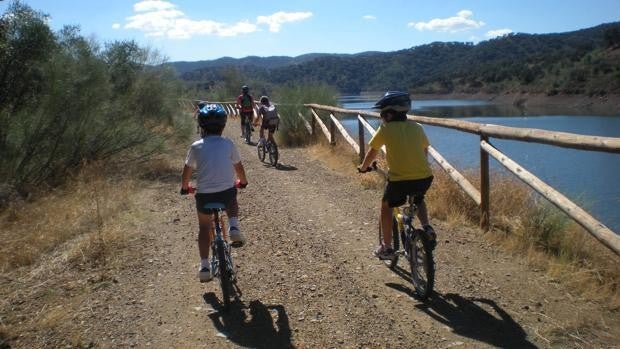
{"x":192,"y":30}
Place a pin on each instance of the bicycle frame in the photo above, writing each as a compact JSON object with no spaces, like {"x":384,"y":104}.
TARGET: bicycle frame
{"x":222,"y":264}
{"x":405,"y":216}
{"x":416,"y":247}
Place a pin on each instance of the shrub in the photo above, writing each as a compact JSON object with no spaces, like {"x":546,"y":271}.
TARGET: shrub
{"x":73,"y":103}
{"x":292,"y":130}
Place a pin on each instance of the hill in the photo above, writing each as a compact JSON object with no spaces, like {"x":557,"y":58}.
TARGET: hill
{"x":585,"y":61}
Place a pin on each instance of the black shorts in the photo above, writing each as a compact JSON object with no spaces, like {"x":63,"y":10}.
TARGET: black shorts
{"x":246,"y":116}
{"x":396,"y":192}
{"x":227,"y":197}
{"x":266,"y":125}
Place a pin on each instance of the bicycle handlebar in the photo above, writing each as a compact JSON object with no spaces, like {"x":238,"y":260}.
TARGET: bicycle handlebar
{"x":191,"y":190}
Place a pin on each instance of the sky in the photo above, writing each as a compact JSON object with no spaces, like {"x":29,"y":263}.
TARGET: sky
{"x":192,"y":30}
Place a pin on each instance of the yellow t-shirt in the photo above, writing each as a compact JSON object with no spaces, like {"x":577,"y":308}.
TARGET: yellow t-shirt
{"x":405,"y":143}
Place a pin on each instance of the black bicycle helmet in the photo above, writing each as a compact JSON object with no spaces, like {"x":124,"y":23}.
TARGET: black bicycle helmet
{"x":212,"y":116}
{"x":245,"y":89}
{"x":201,"y":104}
{"x":264,"y":100}
{"x":394,"y":100}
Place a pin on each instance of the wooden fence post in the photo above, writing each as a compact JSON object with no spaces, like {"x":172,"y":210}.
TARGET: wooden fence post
{"x":332,"y":132}
{"x":313,"y":125}
{"x":484,"y":186}
{"x":360,"y":136}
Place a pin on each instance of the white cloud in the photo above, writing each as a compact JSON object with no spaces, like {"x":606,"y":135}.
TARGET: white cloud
{"x":116,"y":26}
{"x":497,"y":32}
{"x":158,"y":18}
{"x":458,"y":23}
{"x":275,"y":20}
{"x":369,"y":17}
{"x":152,"y":5}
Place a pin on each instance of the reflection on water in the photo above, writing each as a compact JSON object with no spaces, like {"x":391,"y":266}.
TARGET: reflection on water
{"x":589,"y":178}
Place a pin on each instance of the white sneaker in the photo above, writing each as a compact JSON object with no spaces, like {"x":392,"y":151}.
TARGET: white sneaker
{"x":236,"y":237}
{"x":204,"y":274}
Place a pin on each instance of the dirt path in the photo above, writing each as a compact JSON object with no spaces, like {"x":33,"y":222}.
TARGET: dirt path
{"x":309,"y":279}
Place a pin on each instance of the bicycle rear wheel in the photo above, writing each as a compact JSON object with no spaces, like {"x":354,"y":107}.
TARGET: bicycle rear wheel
{"x":248,"y":130}
{"x":273,"y":154}
{"x":261,"y":150}
{"x":225,"y":282}
{"x":422,"y":264}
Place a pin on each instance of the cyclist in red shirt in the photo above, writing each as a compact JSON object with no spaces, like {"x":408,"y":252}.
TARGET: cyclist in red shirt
{"x":245,"y":104}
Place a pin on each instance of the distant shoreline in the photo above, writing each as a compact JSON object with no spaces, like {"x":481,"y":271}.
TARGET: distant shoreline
{"x":606,"y":105}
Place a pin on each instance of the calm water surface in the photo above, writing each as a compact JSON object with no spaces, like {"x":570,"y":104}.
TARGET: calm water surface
{"x":589,"y":178}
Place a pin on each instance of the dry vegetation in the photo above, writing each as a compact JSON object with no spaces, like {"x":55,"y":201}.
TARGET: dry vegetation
{"x":77,"y":234}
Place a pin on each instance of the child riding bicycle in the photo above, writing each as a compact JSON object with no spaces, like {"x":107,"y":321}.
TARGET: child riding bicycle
{"x":269,"y":115}
{"x":245,"y":104}
{"x":216,"y":161}
{"x":408,"y":170}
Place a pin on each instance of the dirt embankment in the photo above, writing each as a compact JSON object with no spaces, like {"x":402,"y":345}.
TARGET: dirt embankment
{"x":308,"y":278}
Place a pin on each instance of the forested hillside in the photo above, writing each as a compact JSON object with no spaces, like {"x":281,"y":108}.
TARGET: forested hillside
{"x":581,"y":62}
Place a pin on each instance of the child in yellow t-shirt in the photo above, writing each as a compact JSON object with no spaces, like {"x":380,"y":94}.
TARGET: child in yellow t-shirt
{"x":409,"y":173}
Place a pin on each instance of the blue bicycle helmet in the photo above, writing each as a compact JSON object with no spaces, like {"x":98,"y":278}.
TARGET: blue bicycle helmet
{"x":212,"y":115}
{"x":394,"y":100}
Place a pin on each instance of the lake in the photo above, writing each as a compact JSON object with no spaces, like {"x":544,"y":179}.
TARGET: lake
{"x":588,"y":178}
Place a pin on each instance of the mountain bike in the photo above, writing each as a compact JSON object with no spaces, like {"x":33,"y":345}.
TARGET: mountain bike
{"x":417,"y":248}
{"x":222,"y":264}
{"x":268,"y":147}
{"x":247,"y":129}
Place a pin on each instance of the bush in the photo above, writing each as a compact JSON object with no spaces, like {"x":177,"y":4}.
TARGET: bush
{"x":292,"y":130}
{"x":73,"y":102}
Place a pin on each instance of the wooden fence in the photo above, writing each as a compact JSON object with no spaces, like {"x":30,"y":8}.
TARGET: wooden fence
{"x":482,"y":198}
{"x":485,"y":131}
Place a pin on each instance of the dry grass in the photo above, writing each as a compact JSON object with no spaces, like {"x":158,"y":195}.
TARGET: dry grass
{"x":523,"y":223}
{"x":69,"y":242}
{"x":85,"y":205}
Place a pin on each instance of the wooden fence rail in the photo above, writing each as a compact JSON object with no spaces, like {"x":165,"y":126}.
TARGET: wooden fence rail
{"x":482,"y":198}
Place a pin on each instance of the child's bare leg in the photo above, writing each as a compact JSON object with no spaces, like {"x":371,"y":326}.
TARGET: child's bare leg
{"x":205,"y":232}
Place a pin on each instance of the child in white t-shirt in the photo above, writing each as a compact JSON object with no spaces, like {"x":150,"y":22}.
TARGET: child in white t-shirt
{"x":217,"y":163}
{"x":270,"y":120}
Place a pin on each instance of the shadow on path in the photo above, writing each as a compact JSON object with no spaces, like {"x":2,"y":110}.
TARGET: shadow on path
{"x":253,"y":326}
{"x":283,"y":167}
{"x":476,"y":318}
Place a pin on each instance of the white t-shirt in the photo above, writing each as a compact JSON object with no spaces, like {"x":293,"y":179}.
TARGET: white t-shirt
{"x":213,"y":158}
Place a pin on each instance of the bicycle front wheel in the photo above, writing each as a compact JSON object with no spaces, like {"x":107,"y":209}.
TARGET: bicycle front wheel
{"x":225,"y":282}
{"x":422,"y":264}
{"x":273,"y":154}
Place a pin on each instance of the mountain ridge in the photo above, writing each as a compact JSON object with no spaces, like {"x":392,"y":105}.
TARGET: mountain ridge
{"x":576,"y":62}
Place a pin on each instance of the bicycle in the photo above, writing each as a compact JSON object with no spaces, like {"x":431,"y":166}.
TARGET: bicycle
{"x":222,"y":264}
{"x":248,"y":130}
{"x":417,"y":247}
{"x":268,"y":147}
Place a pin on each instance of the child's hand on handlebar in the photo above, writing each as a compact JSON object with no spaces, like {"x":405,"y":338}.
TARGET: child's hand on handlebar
{"x":188,"y":190}
{"x":364,"y":170}
{"x":370,"y":168}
